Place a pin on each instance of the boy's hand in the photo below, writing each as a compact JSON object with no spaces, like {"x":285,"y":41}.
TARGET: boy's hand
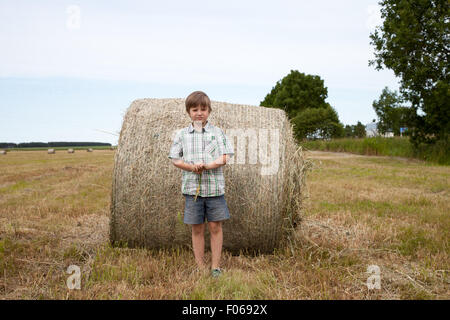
{"x":198,"y":168}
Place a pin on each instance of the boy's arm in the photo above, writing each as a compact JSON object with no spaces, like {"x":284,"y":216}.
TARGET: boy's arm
{"x":176,"y":154}
{"x":179,"y":163}
{"x":221,"y":161}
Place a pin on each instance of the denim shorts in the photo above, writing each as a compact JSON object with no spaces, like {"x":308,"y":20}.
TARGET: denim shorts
{"x":211,"y":208}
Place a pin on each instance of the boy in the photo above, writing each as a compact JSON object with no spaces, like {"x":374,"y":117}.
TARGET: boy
{"x":200,"y":150}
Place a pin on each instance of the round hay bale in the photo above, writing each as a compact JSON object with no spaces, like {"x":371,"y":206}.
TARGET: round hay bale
{"x":263,"y":181}
{"x":71,"y":151}
{"x":51,"y":151}
{"x":89,"y":150}
{"x":3,"y":152}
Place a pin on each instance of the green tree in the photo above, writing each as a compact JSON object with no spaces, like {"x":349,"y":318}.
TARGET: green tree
{"x":413,"y":41}
{"x":303,"y":98}
{"x":360,"y":130}
{"x":348,"y":131}
{"x":318,"y":123}
{"x":391,"y":113}
{"x":297,"y":92}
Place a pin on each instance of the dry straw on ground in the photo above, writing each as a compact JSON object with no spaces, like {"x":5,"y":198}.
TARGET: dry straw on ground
{"x":51,"y":151}
{"x":70,"y":151}
{"x":147,"y":203}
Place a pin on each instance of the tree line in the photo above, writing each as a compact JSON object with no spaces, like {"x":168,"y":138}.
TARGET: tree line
{"x":51,"y":144}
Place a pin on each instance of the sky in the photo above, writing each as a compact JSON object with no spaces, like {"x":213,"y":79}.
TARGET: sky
{"x":70,"y":69}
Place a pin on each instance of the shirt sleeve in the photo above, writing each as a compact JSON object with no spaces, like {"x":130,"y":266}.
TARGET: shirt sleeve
{"x":176,"y":150}
{"x":225,"y":144}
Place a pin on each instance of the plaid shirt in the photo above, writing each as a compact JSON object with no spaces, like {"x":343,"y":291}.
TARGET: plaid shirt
{"x":206,"y":146}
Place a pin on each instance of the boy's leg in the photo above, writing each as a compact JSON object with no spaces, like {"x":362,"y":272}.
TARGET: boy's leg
{"x":216,"y":212}
{"x":215,"y":230}
{"x":198,"y":244}
{"x":194,"y":214}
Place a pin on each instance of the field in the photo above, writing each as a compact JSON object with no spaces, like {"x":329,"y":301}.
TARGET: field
{"x":361,"y":211}
{"x":438,"y":153}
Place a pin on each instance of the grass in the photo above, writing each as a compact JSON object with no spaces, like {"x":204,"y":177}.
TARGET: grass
{"x":361,"y":211}
{"x":394,"y":147}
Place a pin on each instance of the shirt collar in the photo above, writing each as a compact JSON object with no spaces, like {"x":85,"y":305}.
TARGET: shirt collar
{"x":206,"y":128}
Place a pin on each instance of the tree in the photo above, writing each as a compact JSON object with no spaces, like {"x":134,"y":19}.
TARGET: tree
{"x":391,"y":113}
{"x":348,"y":131}
{"x":313,"y":123}
{"x":355,"y":131}
{"x":297,"y":92}
{"x":360,"y":130}
{"x":5,"y":145}
{"x":303,"y":98}
{"x":413,"y":42}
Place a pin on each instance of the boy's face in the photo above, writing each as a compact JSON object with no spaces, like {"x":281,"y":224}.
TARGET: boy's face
{"x":199,"y":113}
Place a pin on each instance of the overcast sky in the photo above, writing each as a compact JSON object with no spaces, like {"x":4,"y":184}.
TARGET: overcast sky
{"x":70,"y":69}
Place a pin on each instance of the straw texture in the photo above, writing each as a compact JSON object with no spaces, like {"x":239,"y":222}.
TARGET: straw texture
{"x":264,"y":197}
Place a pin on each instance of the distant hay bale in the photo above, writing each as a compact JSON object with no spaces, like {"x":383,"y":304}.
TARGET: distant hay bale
{"x":89,"y":150}
{"x":263,"y":184}
{"x":3,"y":152}
{"x":70,"y":151}
{"x":51,"y":151}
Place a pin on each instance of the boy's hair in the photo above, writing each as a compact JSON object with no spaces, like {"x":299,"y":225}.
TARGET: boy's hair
{"x":197,"y":98}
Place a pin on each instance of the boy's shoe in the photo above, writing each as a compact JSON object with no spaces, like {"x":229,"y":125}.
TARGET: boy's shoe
{"x":216,"y":272}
